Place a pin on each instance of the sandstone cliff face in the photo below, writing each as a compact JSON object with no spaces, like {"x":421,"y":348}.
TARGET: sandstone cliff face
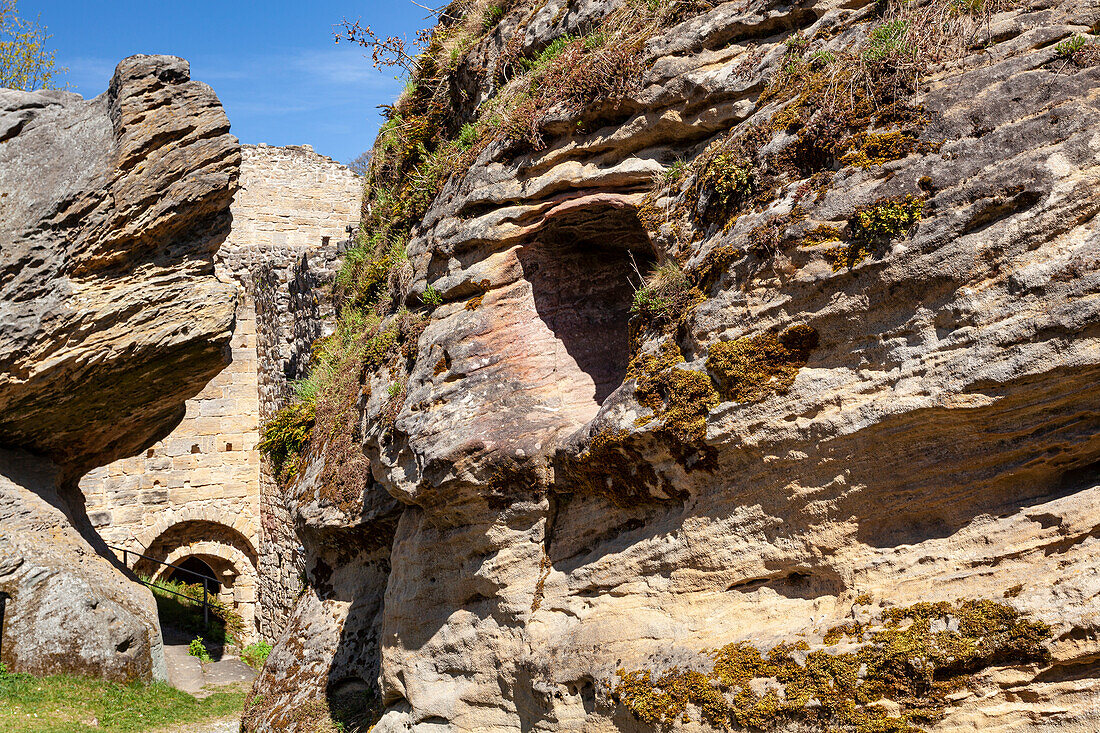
{"x":871,"y":387}
{"x":110,"y":212}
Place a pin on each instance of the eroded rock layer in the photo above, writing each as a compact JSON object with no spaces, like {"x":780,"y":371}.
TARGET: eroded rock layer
{"x":853,"y":431}
{"x":110,"y":212}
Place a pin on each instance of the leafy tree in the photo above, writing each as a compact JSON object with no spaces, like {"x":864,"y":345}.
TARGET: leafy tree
{"x":25,"y":62}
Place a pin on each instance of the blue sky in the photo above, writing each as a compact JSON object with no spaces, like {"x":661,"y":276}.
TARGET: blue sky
{"x":273,"y":64}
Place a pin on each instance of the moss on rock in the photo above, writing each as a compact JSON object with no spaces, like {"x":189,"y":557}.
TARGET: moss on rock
{"x":751,"y":368}
{"x":679,"y":398}
{"x":913,"y":657}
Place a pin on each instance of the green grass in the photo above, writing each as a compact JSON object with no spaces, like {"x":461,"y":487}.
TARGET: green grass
{"x":67,"y":704}
{"x":554,"y":49}
{"x":1070,"y":46}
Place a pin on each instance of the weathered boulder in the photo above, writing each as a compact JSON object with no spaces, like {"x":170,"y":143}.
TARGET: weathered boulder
{"x":110,"y":212}
{"x":871,"y":387}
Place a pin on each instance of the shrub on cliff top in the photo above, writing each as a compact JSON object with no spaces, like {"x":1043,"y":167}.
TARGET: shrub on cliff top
{"x":25,"y":62}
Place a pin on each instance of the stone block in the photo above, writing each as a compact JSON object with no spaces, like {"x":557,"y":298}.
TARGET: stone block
{"x":178,"y":445}
{"x":127,"y":515}
{"x":218,"y":407}
{"x":236,"y":489}
{"x":185,"y":494}
{"x":100,"y":518}
{"x":122,"y":498}
{"x":123,"y":484}
{"x":154,"y":497}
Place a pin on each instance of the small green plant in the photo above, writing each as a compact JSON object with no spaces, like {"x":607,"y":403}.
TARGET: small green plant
{"x":255,"y":654}
{"x":886,"y":219}
{"x":554,"y":49}
{"x":666,"y":298}
{"x":887,"y":40}
{"x":647,"y":302}
{"x":675,"y":172}
{"x":286,"y":435}
{"x":1069,"y":47}
{"x":197,"y":648}
{"x":467,"y":136}
{"x":493,"y":14}
{"x":729,"y":181}
{"x":968,"y":7}
{"x":821,"y":59}
{"x":594,"y":40}
{"x":796,"y":43}
{"x":431,"y":297}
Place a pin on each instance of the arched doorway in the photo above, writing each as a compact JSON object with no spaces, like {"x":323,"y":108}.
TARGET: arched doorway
{"x":191,"y":550}
{"x":190,"y":570}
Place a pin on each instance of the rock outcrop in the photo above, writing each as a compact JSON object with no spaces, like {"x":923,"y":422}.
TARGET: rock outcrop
{"x":846,"y":435}
{"x":110,"y":212}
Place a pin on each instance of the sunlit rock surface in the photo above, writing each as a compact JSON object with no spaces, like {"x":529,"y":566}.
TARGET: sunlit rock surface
{"x":110,"y":212}
{"x":940,"y":441}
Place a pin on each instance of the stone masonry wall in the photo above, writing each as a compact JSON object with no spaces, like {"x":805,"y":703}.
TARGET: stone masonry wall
{"x":203,"y":491}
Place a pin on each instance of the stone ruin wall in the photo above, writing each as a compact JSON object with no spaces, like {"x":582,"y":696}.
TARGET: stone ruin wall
{"x":295,"y":260}
{"x":203,"y":491}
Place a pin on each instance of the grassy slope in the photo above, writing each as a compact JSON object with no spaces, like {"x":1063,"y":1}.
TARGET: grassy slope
{"x":66,"y":704}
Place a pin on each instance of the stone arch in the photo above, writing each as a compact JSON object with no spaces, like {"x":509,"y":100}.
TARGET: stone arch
{"x":244,"y":524}
{"x":222,"y":547}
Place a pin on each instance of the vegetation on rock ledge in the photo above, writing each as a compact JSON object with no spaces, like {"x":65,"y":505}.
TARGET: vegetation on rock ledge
{"x":911,"y":657}
{"x":750,"y":368}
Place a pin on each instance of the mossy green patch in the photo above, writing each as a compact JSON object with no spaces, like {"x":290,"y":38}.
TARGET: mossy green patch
{"x":286,"y":435}
{"x":713,"y":265}
{"x":820,"y":235}
{"x":753,"y":367}
{"x":724,"y":184}
{"x":872,"y":226}
{"x":869,"y":149}
{"x":612,"y":467}
{"x":913,"y":656}
{"x":680,"y":398}
{"x":886,"y":219}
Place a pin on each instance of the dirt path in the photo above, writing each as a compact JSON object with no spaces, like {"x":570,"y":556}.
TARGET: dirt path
{"x":187,"y":673}
{"x":228,"y":725}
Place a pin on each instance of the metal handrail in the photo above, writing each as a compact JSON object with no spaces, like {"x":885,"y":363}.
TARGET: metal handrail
{"x":206,"y":605}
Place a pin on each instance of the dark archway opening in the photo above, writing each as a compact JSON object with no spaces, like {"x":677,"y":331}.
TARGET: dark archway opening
{"x":189,"y":571}
{"x":583,"y":268}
